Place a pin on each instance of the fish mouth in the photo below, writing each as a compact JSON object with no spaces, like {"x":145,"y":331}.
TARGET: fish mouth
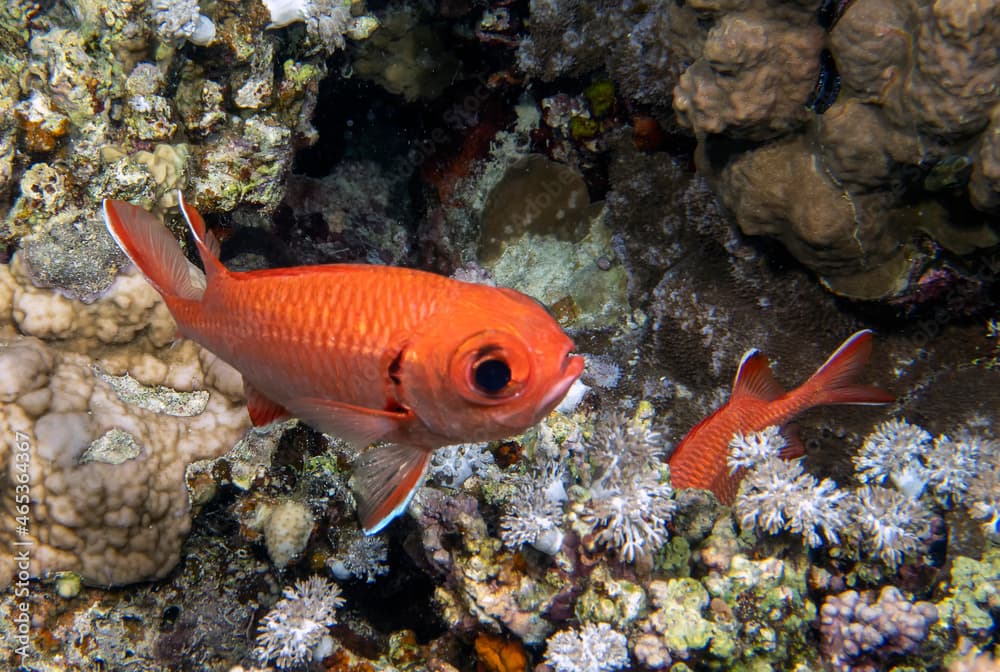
{"x":571,"y":369}
{"x":520,"y":419}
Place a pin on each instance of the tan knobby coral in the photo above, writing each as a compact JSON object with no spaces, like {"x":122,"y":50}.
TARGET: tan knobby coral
{"x":100,"y":417}
{"x":850,"y":185}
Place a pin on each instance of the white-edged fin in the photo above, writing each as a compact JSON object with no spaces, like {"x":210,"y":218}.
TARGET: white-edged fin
{"x":833,"y":383}
{"x":151,"y":247}
{"x":207,"y":244}
{"x":384,"y":481}
{"x":754,"y":378}
{"x":357,"y":425}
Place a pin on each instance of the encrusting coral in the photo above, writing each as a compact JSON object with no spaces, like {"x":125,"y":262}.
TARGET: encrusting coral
{"x":102,"y":417}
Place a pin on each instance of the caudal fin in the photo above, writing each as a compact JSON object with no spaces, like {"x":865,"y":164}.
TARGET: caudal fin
{"x":151,"y":247}
{"x":833,"y":383}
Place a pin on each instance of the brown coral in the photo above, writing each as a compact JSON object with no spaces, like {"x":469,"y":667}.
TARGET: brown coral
{"x":100,"y":419}
{"x":917,"y":107}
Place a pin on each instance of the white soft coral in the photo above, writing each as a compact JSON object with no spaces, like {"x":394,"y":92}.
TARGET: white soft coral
{"x":293,"y":630}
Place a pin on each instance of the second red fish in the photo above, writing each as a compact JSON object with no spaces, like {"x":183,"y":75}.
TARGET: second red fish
{"x":757,"y":402}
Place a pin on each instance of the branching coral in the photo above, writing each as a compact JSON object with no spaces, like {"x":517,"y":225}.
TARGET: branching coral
{"x":630,"y":502}
{"x":592,"y":648}
{"x":295,"y":627}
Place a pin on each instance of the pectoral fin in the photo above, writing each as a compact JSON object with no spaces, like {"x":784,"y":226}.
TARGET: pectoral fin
{"x":385,"y":479}
{"x":357,"y":425}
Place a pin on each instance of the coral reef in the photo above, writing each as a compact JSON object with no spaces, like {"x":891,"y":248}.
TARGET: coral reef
{"x":108,"y":417}
{"x":844,"y":133}
{"x":98,"y":114}
{"x":835,"y":185}
{"x":554,"y":146}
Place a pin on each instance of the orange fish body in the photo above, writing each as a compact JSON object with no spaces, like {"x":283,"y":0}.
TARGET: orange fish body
{"x":757,"y":402}
{"x":366,"y":353}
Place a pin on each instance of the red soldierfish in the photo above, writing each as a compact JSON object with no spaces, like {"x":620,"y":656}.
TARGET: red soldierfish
{"x":757,"y":402}
{"x":366,"y":353}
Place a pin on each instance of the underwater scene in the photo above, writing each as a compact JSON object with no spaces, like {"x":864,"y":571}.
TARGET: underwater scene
{"x":500,"y":335}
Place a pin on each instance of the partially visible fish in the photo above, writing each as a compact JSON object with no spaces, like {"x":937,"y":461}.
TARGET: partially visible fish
{"x":757,"y":402}
{"x":366,"y":353}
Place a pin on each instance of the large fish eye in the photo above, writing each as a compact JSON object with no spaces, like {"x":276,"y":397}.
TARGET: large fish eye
{"x":491,"y":367}
{"x":491,"y":375}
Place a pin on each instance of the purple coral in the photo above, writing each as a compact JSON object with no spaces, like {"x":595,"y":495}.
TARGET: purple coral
{"x":592,"y":648}
{"x":859,"y":634}
{"x":295,"y":628}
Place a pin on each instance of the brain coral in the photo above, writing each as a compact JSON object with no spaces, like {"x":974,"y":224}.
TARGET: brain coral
{"x":99,"y":419}
{"x":851,"y":185}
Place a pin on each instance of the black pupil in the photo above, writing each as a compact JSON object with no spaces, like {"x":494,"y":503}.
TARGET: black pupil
{"x":492,"y":375}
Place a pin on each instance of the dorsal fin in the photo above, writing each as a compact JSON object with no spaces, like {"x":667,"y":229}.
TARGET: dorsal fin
{"x":151,"y":247}
{"x":754,"y":379}
{"x":208,"y":244}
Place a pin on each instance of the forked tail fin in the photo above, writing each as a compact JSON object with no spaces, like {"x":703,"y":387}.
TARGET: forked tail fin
{"x":833,"y":383}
